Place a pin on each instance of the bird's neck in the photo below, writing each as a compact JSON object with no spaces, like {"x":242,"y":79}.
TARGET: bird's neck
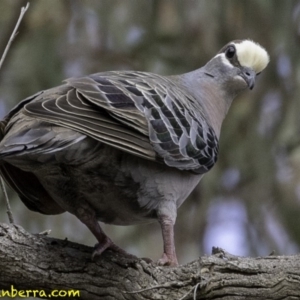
{"x":210,"y":96}
{"x":215,"y":103}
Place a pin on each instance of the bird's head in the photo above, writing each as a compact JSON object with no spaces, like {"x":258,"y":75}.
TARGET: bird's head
{"x":237,"y":64}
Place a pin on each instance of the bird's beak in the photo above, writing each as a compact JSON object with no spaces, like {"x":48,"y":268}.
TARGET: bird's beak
{"x":249,"y":76}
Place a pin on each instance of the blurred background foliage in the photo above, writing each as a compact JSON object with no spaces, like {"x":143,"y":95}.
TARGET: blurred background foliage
{"x":249,"y":203}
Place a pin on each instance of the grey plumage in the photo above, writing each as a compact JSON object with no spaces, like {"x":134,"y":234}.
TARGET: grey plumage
{"x":123,"y":147}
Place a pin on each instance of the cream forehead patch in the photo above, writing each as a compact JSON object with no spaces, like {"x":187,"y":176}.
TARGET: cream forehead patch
{"x":252,"y":55}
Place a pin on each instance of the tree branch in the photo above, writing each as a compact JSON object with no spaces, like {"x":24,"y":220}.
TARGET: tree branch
{"x":14,"y":33}
{"x":37,"y":262}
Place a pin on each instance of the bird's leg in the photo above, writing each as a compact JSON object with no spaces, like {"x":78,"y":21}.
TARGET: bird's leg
{"x":169,"y":256}
{"x":87,"y":217}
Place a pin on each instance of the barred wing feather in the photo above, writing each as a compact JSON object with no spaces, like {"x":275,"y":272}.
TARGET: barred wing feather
{"x":141,"y":113}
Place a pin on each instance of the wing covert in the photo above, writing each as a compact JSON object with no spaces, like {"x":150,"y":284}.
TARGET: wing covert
{"x":141,"y":113}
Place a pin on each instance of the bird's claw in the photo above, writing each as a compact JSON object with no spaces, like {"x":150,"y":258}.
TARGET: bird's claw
{"x":108,"y":244}
{"x":168,"y":260}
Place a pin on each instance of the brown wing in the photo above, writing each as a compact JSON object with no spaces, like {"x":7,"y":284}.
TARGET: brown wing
{"x":141,"y":113}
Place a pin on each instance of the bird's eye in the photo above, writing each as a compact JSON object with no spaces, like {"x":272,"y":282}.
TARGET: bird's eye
{"x":230,"y":52}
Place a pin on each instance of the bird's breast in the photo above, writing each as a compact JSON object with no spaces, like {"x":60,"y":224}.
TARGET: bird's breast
{"x":121,"y":189}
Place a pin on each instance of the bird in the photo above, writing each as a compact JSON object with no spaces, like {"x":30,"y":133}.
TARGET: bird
{"x":124,"y":147}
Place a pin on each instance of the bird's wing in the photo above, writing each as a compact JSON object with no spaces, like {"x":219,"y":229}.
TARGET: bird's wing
{"x":30,"y":190}
{"x":141,"y":113}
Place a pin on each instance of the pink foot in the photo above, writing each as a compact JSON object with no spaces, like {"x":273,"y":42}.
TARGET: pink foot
{"x":108,"y":244}
{"x":168,"y":260}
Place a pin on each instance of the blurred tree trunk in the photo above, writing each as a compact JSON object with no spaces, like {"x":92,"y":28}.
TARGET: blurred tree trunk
{"x":36,"y":262}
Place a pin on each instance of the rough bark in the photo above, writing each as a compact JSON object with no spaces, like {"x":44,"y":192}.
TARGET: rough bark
{"x":37,"y":262}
